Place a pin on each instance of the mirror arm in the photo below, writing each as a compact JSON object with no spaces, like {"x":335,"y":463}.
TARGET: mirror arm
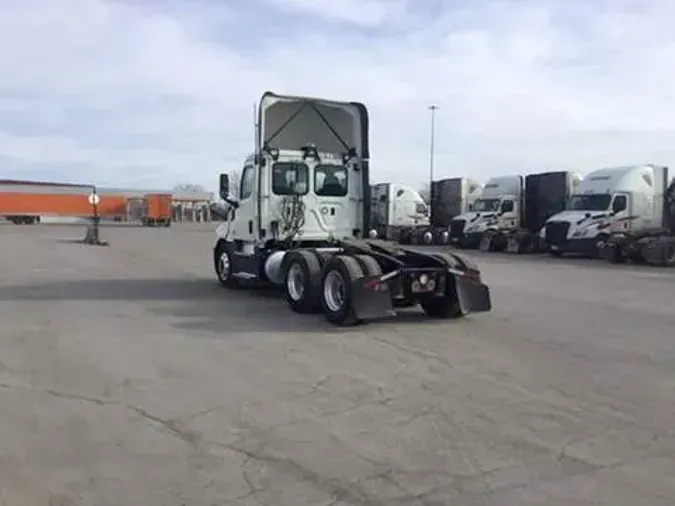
{"x":232,"y":202}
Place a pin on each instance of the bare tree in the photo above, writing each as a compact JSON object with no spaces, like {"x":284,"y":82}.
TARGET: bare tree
{"x":189,"y":188}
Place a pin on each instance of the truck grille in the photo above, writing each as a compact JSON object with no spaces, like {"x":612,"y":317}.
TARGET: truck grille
{"x":556,"y":232}
{"x":457,"y":227}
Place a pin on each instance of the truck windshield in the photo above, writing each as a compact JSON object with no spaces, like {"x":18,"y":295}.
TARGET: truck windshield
{"x":590,"y":202}
{"x":486,"y":205}
{"x":330,"y":180}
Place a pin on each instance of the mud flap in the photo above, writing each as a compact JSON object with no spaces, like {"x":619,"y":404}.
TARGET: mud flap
{"x":486,"y":242}
{"x":474,"y":296}
{"x":371,"y":298}
{"x":658,"y":251}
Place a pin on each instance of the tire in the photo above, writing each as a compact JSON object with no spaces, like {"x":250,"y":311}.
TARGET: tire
{"x":222,"y":262}
{"x":368,"y":265}
{"x":404,"y":237}
{"x":336,"y":289}
{"x":426,"y":238}
{"x":302,"y":281}
{"x":442,"y":238}
{"x":447,"y":306}
{"x":484,"y":237}
{"x":555,"y":253}
{"x":598,"y":238}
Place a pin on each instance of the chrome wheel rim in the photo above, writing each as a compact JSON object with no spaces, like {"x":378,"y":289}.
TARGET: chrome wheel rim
{"x":295,"y":282}
{"x":334,"y":291}
{"x":224,"y":266}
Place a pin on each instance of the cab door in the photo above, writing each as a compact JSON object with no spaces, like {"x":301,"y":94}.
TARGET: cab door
{"x":243,"y":225}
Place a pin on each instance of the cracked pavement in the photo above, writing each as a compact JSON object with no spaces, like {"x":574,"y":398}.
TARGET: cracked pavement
{"x":128,"y":376}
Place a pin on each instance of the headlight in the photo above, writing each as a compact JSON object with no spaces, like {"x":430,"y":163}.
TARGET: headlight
{"x":372,"y":234}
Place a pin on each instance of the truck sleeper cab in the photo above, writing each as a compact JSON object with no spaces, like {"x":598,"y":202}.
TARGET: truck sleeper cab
{"x":299,"y":217}
{"x":609,"y":200}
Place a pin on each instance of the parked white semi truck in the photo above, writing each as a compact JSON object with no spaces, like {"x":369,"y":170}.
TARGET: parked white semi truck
{"x":618,"y":212}
{"x":397,"y":212}
{"x":511,"y":211}
{"x":449,"y":198}
{"x":300,"y":216}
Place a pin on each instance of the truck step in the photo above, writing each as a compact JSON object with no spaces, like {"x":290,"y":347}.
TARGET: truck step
{"x":244,"y":275}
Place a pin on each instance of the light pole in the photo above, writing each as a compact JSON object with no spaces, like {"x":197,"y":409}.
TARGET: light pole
{"x":433,"y":108}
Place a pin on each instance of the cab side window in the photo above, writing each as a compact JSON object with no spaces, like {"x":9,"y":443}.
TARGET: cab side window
{"x":620,"y":204}
{"x":247,"y":182}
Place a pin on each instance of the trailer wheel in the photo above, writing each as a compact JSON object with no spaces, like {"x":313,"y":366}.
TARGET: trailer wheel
{"x":223,"y":265}
{"x":442,"y":238}
{"x":302,"y":282}
{"x":447,"y":306}
{"x":336,"y":289}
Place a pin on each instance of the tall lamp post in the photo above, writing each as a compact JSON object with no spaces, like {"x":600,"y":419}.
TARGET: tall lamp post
{"x":433,"y":108}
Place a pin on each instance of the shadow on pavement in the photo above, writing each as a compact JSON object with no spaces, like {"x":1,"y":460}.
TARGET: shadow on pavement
{"x":199,"y":304}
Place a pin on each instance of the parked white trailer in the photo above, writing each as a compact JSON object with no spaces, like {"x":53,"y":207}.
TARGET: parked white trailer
{"x":300,"y":216}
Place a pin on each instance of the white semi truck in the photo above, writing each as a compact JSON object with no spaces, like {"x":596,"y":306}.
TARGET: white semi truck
{"x":621,"y":213}
{"x":498,"y":202}
{"x":300,"y":216}
{"x":512,"y":209}
{"x":397,"y":212}
{"x":449,"y":198}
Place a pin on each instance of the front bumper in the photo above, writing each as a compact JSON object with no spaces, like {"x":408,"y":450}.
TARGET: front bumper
{"x":580,"y":246}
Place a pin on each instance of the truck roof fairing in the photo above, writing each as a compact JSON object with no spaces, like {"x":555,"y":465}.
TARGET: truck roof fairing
{"x":291,"y":122}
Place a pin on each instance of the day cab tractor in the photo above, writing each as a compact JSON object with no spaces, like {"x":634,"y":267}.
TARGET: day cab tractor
{"x":298,"y":220}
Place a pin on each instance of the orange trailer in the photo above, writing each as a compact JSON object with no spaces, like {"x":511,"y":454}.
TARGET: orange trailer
{"x":157,"y":209}
{"x":27,"y":201}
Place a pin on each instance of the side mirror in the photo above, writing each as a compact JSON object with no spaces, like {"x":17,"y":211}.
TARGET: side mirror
{"x":224,"y":189}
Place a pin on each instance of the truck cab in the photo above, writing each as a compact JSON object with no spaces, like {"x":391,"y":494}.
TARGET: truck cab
{"x":608,"y":200}
{"x":497,"y":209}
{"x":396,"y":210}
{"x":299,"y":218}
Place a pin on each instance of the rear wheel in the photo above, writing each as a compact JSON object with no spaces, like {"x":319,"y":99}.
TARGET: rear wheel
{"x":302,"y":281}
{"x":339,"y":273}
{"x":442,"y":238}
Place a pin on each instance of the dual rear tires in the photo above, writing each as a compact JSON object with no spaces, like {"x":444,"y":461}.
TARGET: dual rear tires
{"x":323,"y":283}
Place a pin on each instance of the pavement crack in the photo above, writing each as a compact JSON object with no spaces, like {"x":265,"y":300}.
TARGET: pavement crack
{"x":416,"y":352}
{"x":171,"y":425}
{"x":335,"y":488}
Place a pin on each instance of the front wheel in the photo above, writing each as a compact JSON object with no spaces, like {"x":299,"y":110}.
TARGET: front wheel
{"x":224,"y":268}
{"x":337,"y":298}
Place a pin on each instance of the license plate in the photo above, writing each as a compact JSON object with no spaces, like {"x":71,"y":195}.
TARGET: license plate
{"x":554,"y":248}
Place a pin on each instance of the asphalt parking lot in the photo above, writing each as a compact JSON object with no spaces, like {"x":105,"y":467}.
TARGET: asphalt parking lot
{"x":128,"y":376}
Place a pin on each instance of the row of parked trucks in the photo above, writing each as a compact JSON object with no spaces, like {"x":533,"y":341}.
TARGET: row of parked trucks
{"x":620,"y":213}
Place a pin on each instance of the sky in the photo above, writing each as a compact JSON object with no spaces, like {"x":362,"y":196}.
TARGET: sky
{"x":157,"y":93}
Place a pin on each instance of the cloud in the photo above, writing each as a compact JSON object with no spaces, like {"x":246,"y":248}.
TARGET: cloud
{"x":150,"y":93}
